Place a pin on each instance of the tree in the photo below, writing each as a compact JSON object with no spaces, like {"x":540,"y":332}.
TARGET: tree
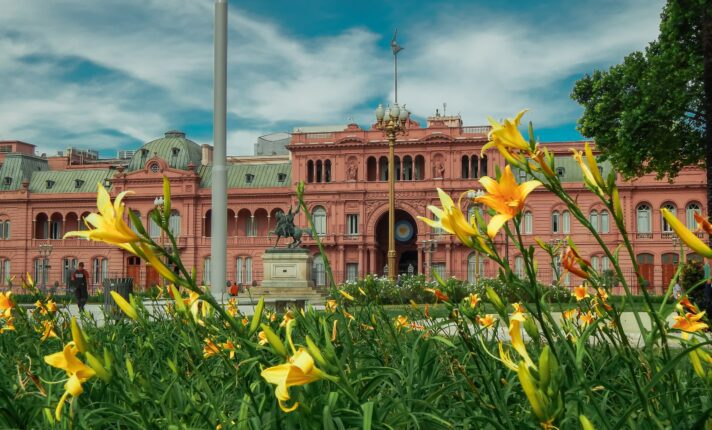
{"x":652,"y":112}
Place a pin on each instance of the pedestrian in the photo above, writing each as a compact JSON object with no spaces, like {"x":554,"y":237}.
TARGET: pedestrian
{"x":233,"y":289}
{"x":80,"y":278}
{"x":677,"y":291}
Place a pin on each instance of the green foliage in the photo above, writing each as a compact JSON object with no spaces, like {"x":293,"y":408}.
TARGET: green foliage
{"x":692,"y":277}
{"x":646,"y":114}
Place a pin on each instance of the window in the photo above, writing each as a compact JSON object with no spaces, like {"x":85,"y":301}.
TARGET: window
{"x":137,"y":214}
{"x":522,"y":175}
{"x":595,"y":263}
{"x":475,"y":267}
{"x":175,"y":151}
{"x":327,"y":171}
{"x":351,"y":271}
{"x":319,"y":218}
{"x":153,"y":228}
{"x":100,"y":269}
{"x":206,"y":271}
{"x":352,"y":224}
{"x":528,"y":222}
{"x":643,"y":213}
{"x":55,"y":229}
{"x":593,"y":219}
{"x":555,"y":222}
{"x":436,"y":230}
{"x":5,"y":229}
{"x":281,"y":177}
{"x":5,"y":271}
{"x":69,"y":265}
{"x":249,"y":177}
{"x":78,"y":183}
{"x":40,"y":272}
{"x":318,"y":270}
{"x":605,"y":228}
{"x":439,"y":268}
{"x":560,"y":172}
{"x":154,"y":167}
{"x":605,"y":263}
{"x":251,"y":227}
{"x":673,"y":210}
{"x":50,"y":184}
{"x":248,"y":270}
{"x":7,"y":181}
{"x":239,"y":270}
{"x":519,"y":266}
{"x":690,"y":211}
{"x":565,"y":222}
{"x":174,"y":223}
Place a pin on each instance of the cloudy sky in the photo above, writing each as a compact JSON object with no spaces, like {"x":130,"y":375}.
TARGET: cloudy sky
{"x":113,"y":74}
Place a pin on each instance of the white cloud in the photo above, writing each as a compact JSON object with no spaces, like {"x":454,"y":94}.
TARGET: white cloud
{"x":159,"y":57}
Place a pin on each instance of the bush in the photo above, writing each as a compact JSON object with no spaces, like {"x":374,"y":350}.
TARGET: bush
{"x":691,"y":281}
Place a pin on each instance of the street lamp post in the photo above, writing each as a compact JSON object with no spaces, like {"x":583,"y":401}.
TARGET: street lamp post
{"x":391,"y":121}
{"x":45,"y":252}
{"x":473,"y":195}
{"x":429,"y":246}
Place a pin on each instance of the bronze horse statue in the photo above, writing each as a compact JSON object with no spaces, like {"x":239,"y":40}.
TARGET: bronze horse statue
{"x":285,"y":228}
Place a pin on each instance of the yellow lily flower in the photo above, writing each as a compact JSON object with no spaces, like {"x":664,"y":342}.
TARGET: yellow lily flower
{"x":108,"y":225}
{"x":690,"y":322}
{"x":299,"y":370}
{"x":569,"y":314}
{"x":346,"y":295}
{"x":587,"y":318}
{"x":506,"y":134}
{"x":9,"y":322}
{"x":581,"y":292}
{"x":686,"y":235}
{"x":529,"y":387}
{"x":262,"y":338}
{"x":330,"y":306}
{"x":515,"y":333}
{"x":48,"y":331}
{"x":506,"y":197}
{"x":506,"y":358}
{"x":401,"y":321}
{"x":77,"y":371}
{"x":124,"y":305}
{"x":474,"y":300}
{"x":5,"y":301}
{"x":487,"y":321}
{"x":452,"y":220}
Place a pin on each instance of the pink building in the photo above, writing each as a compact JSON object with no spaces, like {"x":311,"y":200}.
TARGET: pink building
{"x":347,"y":192}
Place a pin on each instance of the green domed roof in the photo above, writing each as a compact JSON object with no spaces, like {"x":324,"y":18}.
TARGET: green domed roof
{"x":174,"y":148}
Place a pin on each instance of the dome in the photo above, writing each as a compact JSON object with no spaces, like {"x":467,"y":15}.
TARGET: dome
{"x":177,"y":151}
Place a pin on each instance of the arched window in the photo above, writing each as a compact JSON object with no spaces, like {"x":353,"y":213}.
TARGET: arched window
{"x":318,"y":270}
{"x":55,"y":226}
{"x":673,"y":210}
{"x":555,"y":222}
{"x":407,"y":168}
{"x":593,"y":219}
{"x":605,"y":263}
{"x":644,"y":224}
{"x":248,"y":270}
{"x":133,"y":227}
{"x":310,"y":171}
{"x":419,"y":167}
{"x":174,"y":223}
{"x":5,"y":229}
{"x":327,"y":171}
{"x":383,"y":169}
{"x":483,"y":166}
{"x":475,"y":267}
{"x":100,"y":270}
{"x":153,"y":228}
{"x":474,"y":166}
{"x":690,"y":211}
{"x":596,"y":263}
{"x":206,"y":270}
{"x":519,"y":266}
{"x":528,"y":220}
{"x":465,"y":168}
{"x":565,"y":222}
{"x":371,"y":169}
{"x":82,"y":223}
{"x":319,"y":171}
{"x":397,"y":167}
{"x":605,"y":225}
{"x":319,"y":218}
{"x":239,"y":271}
{"x":5,"y":274}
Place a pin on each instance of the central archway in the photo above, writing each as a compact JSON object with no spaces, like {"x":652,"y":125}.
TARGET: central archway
{"x":406,"y":235}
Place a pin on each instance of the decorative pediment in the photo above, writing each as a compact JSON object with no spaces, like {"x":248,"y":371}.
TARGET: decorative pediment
{"x":437,"y":136}
{"x":350,"y":139}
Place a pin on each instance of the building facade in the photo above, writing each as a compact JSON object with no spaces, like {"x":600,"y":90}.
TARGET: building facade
{"x":345,"y":172}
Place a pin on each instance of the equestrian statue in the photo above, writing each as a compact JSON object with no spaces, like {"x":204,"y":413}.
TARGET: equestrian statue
{"x":285,"y":228}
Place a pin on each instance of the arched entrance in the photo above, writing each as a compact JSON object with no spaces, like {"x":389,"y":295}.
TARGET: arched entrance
{"x":406,"y":238}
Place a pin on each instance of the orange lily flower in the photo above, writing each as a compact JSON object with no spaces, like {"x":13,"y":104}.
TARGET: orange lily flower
{"x":569,"y":314}
{"x":703,"y":224}
{"x":587,"y":318}
{"x":690,"y":322}
{"x":506,"y":197}
{"x":438,"y":294}
{"x":474,"y":300}
{"x":487,"y":321}
{"x":581,"y":292}
{"x":569,"y":261}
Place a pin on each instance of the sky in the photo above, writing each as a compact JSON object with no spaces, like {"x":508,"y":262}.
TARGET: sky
{"x":114,"y":74}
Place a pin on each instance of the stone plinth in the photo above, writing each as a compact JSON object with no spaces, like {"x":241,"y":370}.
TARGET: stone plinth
{"x":287,"y":279}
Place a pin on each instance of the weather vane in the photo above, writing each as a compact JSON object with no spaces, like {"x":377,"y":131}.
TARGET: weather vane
{"x":396,"y":48}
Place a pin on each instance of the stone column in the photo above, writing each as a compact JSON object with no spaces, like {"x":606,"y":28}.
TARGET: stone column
{"x":361,"y":269}
{"x":421,"y":269}
{"x":342,"y":264}
{"x":372,"y":260}
{"x":448,"y":258}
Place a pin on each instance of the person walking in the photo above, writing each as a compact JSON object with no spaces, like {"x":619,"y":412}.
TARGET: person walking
{"x":80,"y":279}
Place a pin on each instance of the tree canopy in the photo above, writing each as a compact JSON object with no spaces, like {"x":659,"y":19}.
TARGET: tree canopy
{"x":648,"y":113}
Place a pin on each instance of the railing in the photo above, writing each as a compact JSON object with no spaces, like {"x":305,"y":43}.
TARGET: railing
{"x":319,"y":135}
{"x":643,"y":235}
{"x":479,"y":129}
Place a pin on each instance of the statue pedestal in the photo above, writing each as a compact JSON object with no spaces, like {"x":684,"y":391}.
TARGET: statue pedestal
{"x":287,"y":279}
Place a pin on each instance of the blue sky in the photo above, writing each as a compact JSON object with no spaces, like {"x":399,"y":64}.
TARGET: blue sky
{"x":115,"y":74}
